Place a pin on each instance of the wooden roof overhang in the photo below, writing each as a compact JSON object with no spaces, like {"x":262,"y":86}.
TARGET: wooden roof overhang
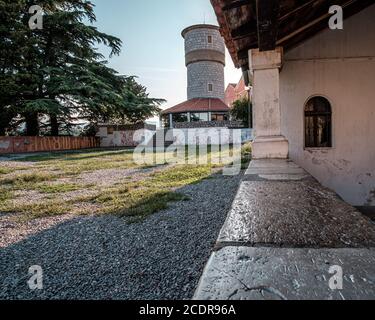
{"x":265,"y":24}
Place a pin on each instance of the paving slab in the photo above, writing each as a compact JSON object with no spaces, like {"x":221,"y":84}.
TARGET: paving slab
{"x":276,"y":170}
{"x":243,"y":273}
{"x":294,"y":214}
{"x":283,"y":233}
{"x":280,"y":204}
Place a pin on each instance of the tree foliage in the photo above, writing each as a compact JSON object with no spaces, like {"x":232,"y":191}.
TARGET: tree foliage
{"x":241,"y":111}
{"x":55,"y":77}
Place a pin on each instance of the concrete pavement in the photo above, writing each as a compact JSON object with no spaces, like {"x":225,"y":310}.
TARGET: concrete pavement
{"x":281,"y":237}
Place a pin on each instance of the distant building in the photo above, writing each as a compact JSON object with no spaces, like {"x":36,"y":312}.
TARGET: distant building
{"x":205,"y":62}
{"x":236,"y":91}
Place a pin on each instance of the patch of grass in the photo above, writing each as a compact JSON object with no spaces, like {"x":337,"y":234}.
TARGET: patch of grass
{"x":44,"y":209}
{"x":178,"y":176}
{"x":23,"y":180}
{"x":5,"y":195}
{"x":246,"y":155}
{"x":153,"y":203}
{"x":143,"y":198}
{"x":5,"y":170}
{"x":74,"y":169}
{"x":58,"y":188}
{"x":138,"y":202}
{"x":133,"y":199}
{"x":74,"y":155}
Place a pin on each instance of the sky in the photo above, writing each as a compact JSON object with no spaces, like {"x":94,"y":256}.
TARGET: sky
{"x":153,"y":49}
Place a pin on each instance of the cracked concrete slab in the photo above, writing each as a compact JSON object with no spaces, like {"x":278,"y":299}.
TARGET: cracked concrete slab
{"x":243,"y":273}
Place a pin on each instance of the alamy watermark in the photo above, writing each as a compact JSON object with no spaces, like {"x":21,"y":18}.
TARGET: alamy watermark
{"x":36,"y":20}
{"x":336,"y":282}
{"x":336,"y":22}
{"x":190,"y":147}
{"x":35,"y":281}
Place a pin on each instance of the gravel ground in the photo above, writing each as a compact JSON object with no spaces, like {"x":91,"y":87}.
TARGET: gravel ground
{"x":103,"y":257}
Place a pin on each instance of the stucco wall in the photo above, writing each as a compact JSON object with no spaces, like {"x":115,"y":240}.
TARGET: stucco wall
{"x":339,"y":65}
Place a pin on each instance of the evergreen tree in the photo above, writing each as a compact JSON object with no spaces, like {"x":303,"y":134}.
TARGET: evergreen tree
{"x":57,"y":73}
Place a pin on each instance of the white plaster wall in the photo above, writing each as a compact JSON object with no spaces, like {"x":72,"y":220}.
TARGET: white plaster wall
{"x":339,"y":65}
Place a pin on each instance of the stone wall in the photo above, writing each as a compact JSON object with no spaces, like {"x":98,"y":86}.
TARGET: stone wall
{"x":128,"y":127}
{"x":205,"y":61}
{"x":209,"y":124}
{"x":200,"y":74}
{"x":124,"y":137}
{"x":196,"y":39}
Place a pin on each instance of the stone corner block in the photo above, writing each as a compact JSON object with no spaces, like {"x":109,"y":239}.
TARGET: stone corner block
{"x":260,"y":60}
{"x":273,"y":147}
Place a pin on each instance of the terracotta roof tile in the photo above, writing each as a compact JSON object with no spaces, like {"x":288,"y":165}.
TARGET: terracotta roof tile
{"x":199,"y":105}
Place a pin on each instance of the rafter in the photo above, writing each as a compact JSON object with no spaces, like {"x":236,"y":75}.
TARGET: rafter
{"x":267,"y":20}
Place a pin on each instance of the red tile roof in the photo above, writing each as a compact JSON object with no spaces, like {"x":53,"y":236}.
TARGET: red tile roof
{"x":199,"y":105}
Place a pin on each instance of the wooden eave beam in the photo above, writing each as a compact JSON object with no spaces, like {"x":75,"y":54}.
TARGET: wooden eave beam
{"x":236,"y":4}
{"x":267,"y":18}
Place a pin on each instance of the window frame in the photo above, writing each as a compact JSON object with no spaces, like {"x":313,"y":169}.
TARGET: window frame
{"x":331,"y":113}
{"x":219,"y":114}
{"x":194,"y":115}
{"x":209,"y":39}
{"x":212,"y":87}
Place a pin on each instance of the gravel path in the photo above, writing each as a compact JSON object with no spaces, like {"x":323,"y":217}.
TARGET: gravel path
{"x":106,"y":258}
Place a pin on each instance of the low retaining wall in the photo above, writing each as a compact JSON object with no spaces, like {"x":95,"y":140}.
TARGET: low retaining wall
{"x":215,"y":135}
{"x":209,"y":124}
{"x":39,"y":144}
{"x":124,"y":138}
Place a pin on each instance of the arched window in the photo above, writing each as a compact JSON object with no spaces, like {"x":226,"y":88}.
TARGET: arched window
{"x":318,"y":123}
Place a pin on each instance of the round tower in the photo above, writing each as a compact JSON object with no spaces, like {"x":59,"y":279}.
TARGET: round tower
{"x":205,"y":61}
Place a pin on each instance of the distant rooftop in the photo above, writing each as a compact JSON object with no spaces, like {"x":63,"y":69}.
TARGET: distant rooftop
{"x":199,"y":26}
{"x":199,"y":105}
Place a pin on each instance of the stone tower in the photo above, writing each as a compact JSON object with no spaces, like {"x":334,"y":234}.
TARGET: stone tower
{"x":205,"y":61}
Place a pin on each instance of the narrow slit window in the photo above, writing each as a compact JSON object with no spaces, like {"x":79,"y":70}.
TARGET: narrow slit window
{"x":209,"y":39}
{"x":210,"y":87}
{"x":318,"y":123}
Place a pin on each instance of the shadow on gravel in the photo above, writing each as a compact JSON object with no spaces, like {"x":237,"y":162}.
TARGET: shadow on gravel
{"x":104,"y":257}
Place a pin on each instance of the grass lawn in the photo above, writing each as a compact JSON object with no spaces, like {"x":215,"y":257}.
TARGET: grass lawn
{"x":96,"y":182}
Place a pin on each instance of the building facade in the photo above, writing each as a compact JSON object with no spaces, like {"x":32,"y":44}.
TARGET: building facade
{"x":205,"y":62}
{"x":313,"y":88}
{"x":340,"y":67}
{"x":236,"y":91}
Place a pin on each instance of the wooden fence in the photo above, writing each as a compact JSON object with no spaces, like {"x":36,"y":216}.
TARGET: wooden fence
{"x":40,"y":144}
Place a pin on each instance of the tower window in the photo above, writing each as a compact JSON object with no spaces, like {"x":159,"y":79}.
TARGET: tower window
{"x":318,"y":123}
{"x":210,"y":87}
{"x":209,"y":39}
